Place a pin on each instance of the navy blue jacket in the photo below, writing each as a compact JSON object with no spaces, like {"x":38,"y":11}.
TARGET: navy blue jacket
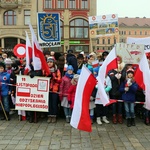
{"x":4,"y":81}
{"x":128,"y":96}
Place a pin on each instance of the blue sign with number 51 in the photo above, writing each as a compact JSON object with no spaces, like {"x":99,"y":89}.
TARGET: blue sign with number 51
{"x":48,"y":27}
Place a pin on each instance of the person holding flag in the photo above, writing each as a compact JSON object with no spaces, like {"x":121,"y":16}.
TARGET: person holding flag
{"x":128,"y":89}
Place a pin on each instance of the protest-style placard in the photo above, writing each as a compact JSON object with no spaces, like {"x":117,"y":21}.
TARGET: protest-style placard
{"x":130,"y":53}
{"x":32,"y":94}
{"x":104,"y":25}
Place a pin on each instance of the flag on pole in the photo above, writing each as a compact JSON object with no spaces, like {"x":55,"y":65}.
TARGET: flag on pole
{"x":80,"y":116}
{"x":28,"y":54}
{"x":141,"y":77}
{"x":39,"y":61}
{"x":109,"y":64}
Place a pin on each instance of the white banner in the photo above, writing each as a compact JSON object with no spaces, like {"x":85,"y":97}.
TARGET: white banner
{"x":145,"y":41}
{"x":32,"y":94}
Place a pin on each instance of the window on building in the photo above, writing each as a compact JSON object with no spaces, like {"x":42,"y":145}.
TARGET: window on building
{"x":129,"y":32}
{"x":115,"y":40}
{"x":103,"y":48}
{"x":48,"y":4}
{"x":80,"y":48}
{"x":26,"y":17}
{"x":103,"y":41}
{"x":135,"y":33}
{"x":97,"y":41}
{"x":140,"y":32}
{"x":79,"y":28}
{"x":145,"y":32}
{"x":10,"y":17}
{"x":72,"y":4}
{"x":124,"y":32}
{"x":60,"y":3}
{"x":108,"y":41}
{"x":10,"y":42}
{"x":84,"y":4}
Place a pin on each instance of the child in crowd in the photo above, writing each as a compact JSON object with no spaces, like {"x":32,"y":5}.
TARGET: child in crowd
{"x":101,"y":111}
{"x":54,"y":87}
{"x":72,"y":92}
{"x":128,"y":89}
{"x":64,"y":87}
{"x":4,"y":89}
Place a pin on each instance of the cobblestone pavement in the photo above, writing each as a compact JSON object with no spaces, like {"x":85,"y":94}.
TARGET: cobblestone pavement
{"x":61,"y":136}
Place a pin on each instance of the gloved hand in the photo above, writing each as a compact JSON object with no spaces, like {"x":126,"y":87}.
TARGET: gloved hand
{"x":130,"y":83}
{"x":118,"y":75}
{"x":126,"y":89}
{"x":91,"y":98}
{"x":31,"y":75}
{"x":69,"y":102}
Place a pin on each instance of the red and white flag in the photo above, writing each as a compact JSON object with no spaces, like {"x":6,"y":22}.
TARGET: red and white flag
{"x":80,"y":116}
{"x":141,"y":77}
{"x":109,"y":64}
{"x":39,"y":61}
{"x":28,"y":54}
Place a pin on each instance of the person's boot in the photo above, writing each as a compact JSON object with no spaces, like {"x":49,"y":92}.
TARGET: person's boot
{"x":114,"y":120}
{"x":67,"y":119}
{"x":132,"y":121}
{"x":147,"y":122}
{"x":128,"y":122}
{"x":49,"y":120}
{"x":98,"y":120}
{"x":31,"y":120}
{"x":53,"y":119}
{"x":104,"y":119}
{"x":120,"y":119}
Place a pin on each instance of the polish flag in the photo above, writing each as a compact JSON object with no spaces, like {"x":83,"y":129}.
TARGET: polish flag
{"x":109,"y":64}
{"x":141,"y":77}
{"x":39,"y":61}
{"x":28,"y":54}
{"x":80,"y":116}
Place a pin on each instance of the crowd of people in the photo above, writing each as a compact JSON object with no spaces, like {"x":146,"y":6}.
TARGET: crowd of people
{"x":65,"y":71}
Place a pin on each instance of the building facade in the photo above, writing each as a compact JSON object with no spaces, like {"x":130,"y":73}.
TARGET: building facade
{"x":73,"y":22}
{"x":128,"y":27}
{"x":74,"y":26}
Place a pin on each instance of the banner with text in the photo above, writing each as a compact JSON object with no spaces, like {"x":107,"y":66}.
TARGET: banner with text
{"x":32,"y":94}
{"x":145,"y":41}
{"x":48,"y":25}
{"x":105,"y":25}
{"x":130,"y":53}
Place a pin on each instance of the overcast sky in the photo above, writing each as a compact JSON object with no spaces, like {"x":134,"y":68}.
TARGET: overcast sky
{"x":124,"y":8}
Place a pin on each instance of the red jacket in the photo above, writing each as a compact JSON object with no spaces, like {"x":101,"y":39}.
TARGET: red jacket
{"x":71,"y":95}
{"x":64,"y":86}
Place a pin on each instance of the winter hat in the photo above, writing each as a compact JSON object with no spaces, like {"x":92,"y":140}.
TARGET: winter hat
{"x":2,"y":65}
{"x":8,"y":61}
{"x":50,"y":59}
{"x":130,"y":70}
{"x":80,"y":56}
{"x":105,"y":53}
{"x":93,"y":54}
{"x":14,"y":67}
{"x":70,"y":68}
{"x":70,"y":51}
